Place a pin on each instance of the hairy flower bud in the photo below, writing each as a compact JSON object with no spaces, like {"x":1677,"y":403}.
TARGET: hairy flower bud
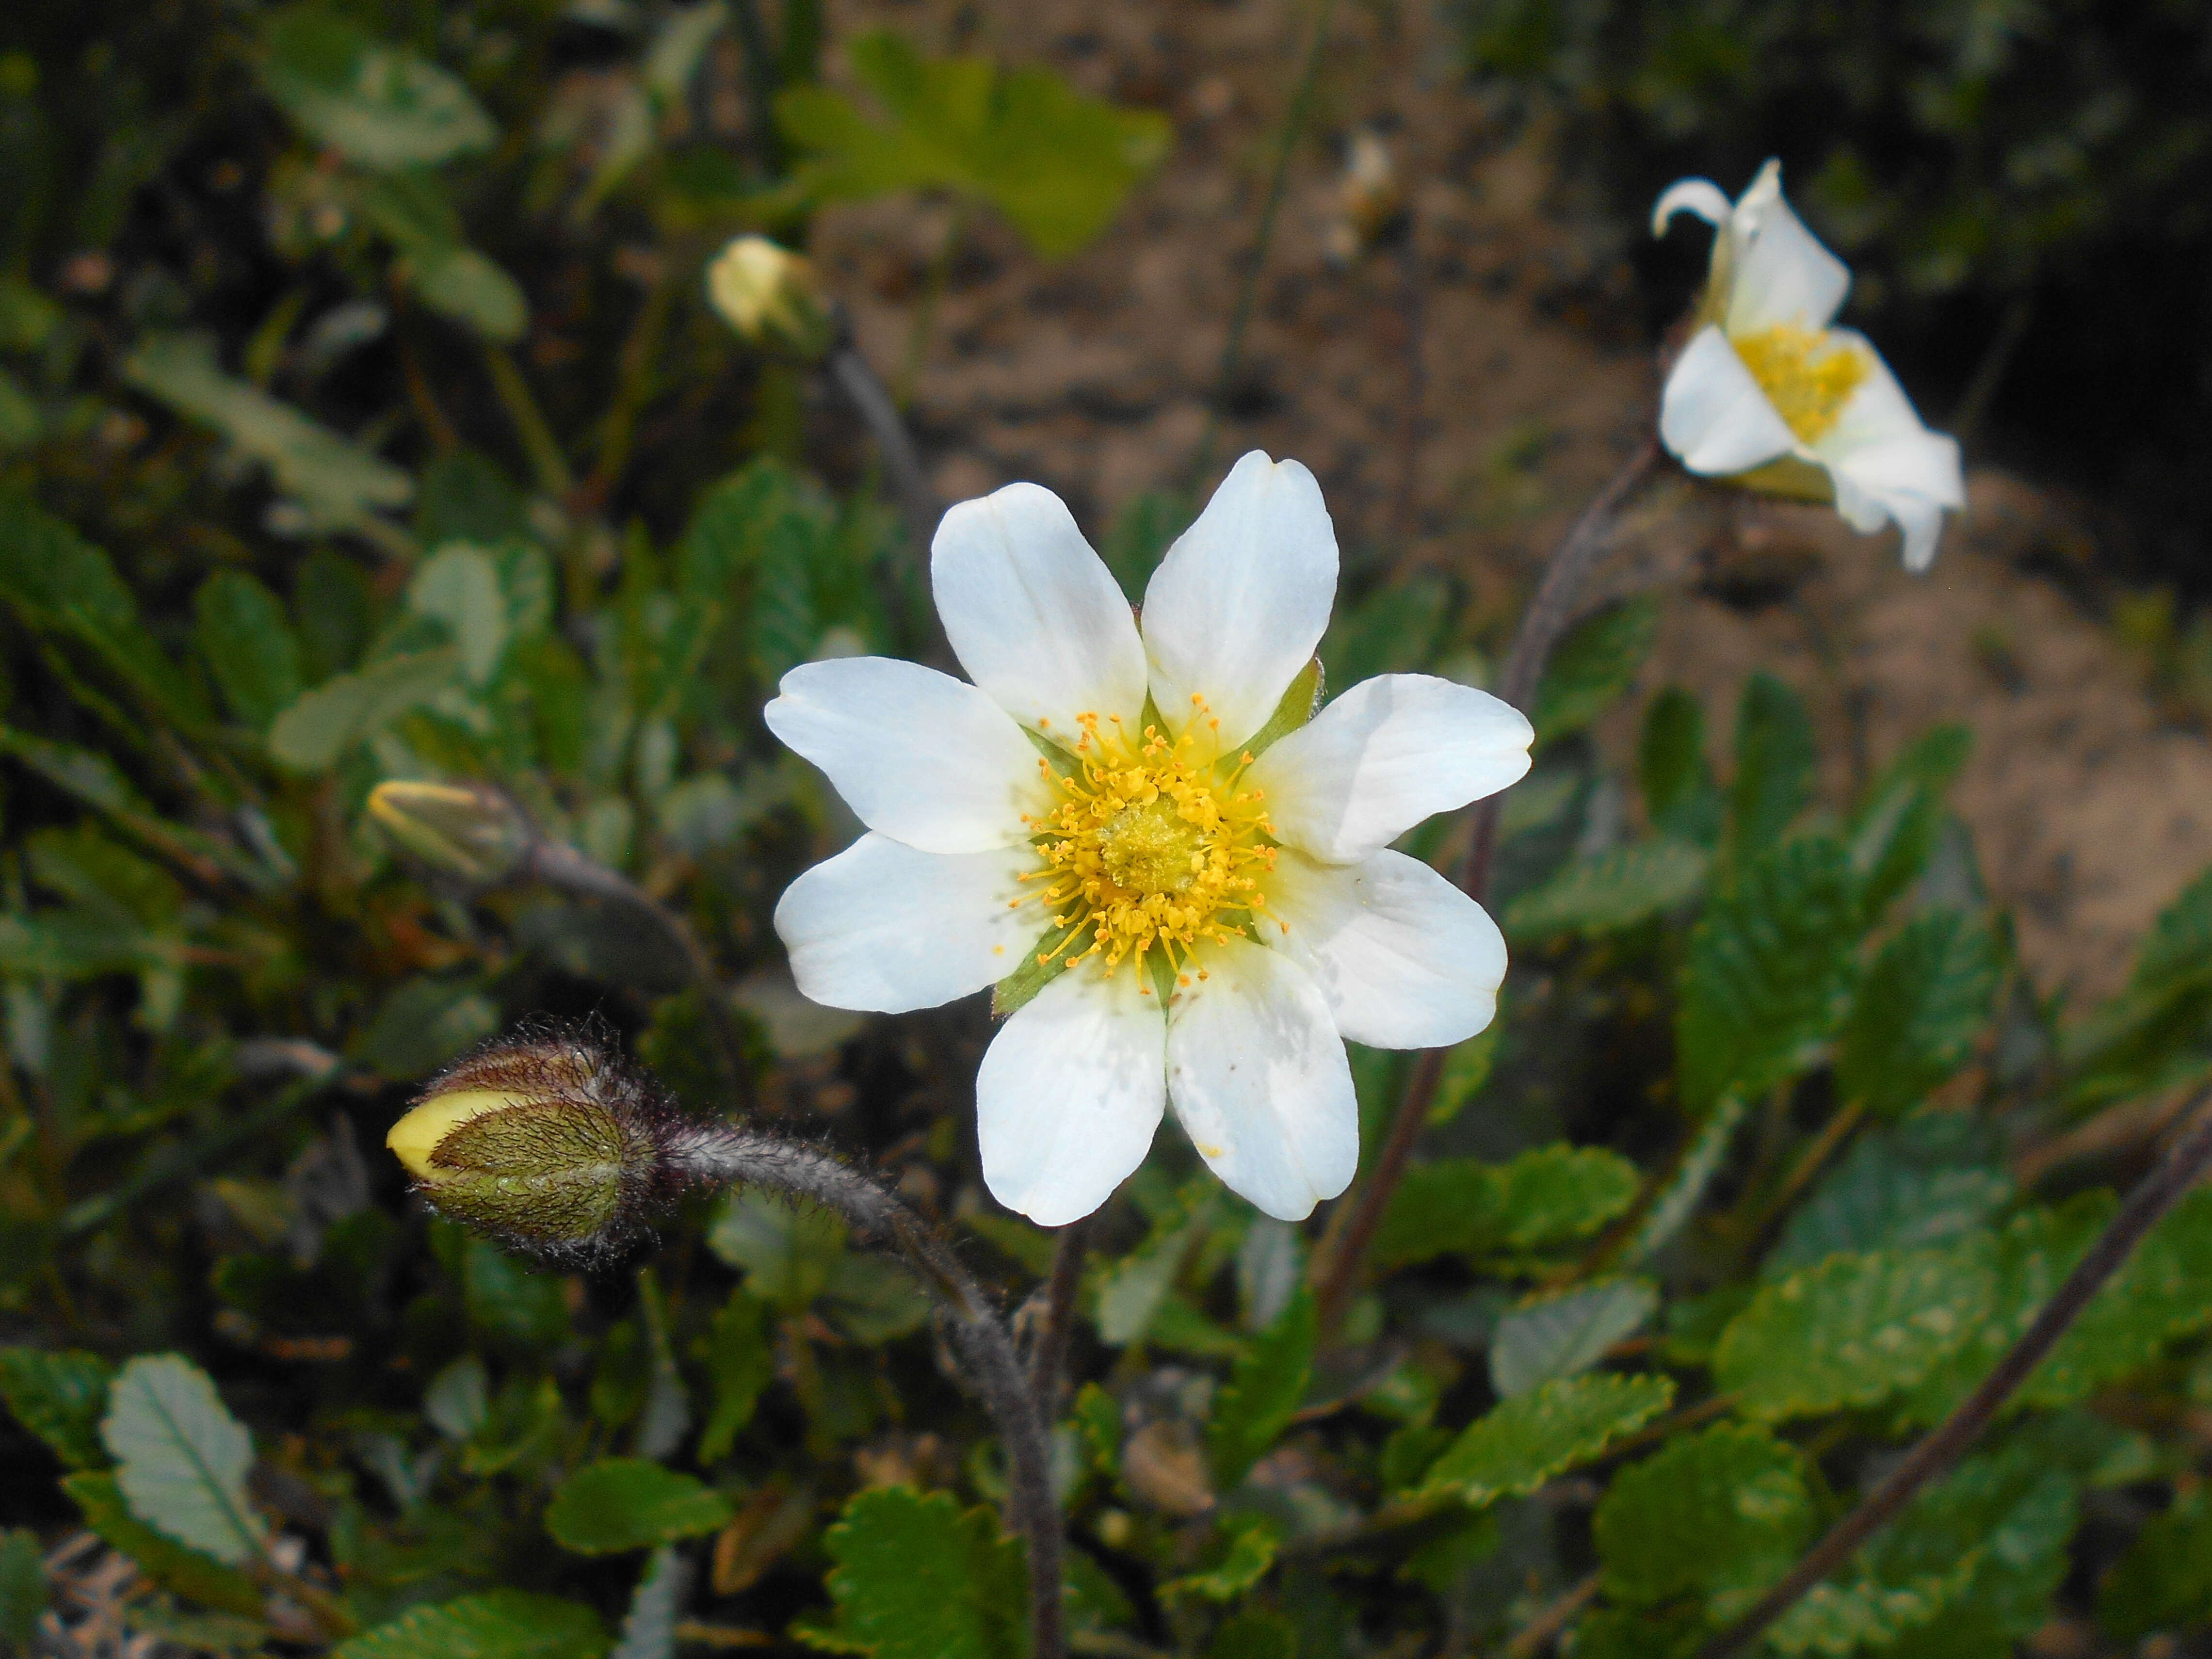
{"x":465,"y":830}
{"x":546,"y":1142}
{"x":768,"y":294}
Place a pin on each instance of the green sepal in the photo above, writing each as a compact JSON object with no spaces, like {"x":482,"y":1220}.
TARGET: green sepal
{"x":1300,"y":702}
{"x":1015,"y":991}
{"x":552,"y":1174}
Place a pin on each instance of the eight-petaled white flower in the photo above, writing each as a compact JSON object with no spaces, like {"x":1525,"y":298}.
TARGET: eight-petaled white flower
{"x":1766,"y":388}
{"x":1103,"y":798}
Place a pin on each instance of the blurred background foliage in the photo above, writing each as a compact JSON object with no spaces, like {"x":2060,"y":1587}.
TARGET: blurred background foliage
{"x":363,"y":417}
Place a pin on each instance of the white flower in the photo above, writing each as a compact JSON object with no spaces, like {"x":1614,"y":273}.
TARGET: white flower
{"x":1096,"y":798}
{"x":1766,"y":383}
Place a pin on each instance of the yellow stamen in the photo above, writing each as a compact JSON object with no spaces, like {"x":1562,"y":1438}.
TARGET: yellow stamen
{"x":1806,"y":375}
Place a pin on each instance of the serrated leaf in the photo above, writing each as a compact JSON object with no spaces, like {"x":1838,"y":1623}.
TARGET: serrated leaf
{"x":1775,"y":754}
{"x":1918,"y":1009}
{"x":1720,"y":1514}
{"x":629,"y":1503}
{"x":1265,"y":1389}
{"x":59,"y":1396}
{"x":1679,"y":795}
{"x":1056,"y":162}
{"x":1253,"y":1543}
{"x":181,"y":1457}
{"x":2019,"y":1516}
{"x":501,"y":1623}
{"x":188,"y":1572}
{"x":648,"y":1629}
{"x":2157,"y":1296}
{"x":1854,"y":1330}
{"x":1894,"y":832}
{"x":1565,"y":1335}
{"x":916,"y":1578}
{"x":1865,"y":1612}
{"x":247,"y":643}
{"x":1898,"y":1188}
{"x":1770,"y":967}
{"x":1592,"y":666}
{"x":1546,"y":1196}
{"x":375,"y":104}
{"x":1522,"y":1442}
{"x":1609,"y":891}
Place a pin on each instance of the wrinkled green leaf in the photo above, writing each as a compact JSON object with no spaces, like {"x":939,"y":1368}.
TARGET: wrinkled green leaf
{"x":1722,"y":1514}
{"x":916,"y":1578}
{"x":502,"y":1623}
{"x":1918,"y":1010}
{"x":1609,"y":891}
{"x":1775,"y":755}
{"x":629,"y":1503}
{"x":1679,"y":794}
{"x":247,"y":643}
{"x":1594,"y":666}
{"x":59,"y":1396}
{"x":1265,"y":1389}
{"x":181,"y":1457}
{"x":1548,"y":1195}
{"x":1528,"y":1440}
{"x":1564,"y":1335}
{"x":1920,"y":1184}
{"x":786,"y":1249}
{"x":312,"y":733}
{"x":459,"y":586}
{"x":196,"y":1577}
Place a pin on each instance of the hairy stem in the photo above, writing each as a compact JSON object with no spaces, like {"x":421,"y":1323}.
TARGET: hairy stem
{"x":715,"y":1153}
{"x":1050,"y":1355}
{"x":1336,"y":1270}
{"x":2156,"y":1194}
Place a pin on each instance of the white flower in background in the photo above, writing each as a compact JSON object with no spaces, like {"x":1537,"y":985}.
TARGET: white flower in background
{"x":1227,"y":909}
{"x":1766,"y":387}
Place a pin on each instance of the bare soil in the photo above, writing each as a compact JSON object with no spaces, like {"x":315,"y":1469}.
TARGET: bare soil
{"x":1460,"y":397}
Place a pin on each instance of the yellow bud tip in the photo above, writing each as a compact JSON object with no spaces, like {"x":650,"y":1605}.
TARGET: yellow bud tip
{"x":418,"y":1135}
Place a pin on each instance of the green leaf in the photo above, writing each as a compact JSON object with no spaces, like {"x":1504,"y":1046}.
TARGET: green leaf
{"x":1866,"y":1612}
{"x":740,"y":1361}
{"x":60,"y":1396}
{"x":1522,"y":1442}
{"x":181,"y":1457}
{"x":1924,"y":1001}
{"x":424,"y":1023}
{"x":197,"y":1577}
{"x":314,"y":732}
{"x":2019,"y":1516}
{"x":1056,"y":162}
{"x":1770,"y":967}
{"x":2165,"y":1578}
{"x":22,"y":1587}
{"x":1253,"y":1544}
{"x":873,"y":1301}
{"x":376,"y":105}
{"x":1854,"y":1330}
{"x":916,"y":1578}
{"x":1775,"y":755}
{"x":1264,"y":1391}
{"x":785,"y":1250}
{"x":331,"y":483}
{"x":1563,"y":1335}
{"x":2159,"y":1296}
{"x":1609,"y":891}
{"x":1894,"y":832}
{"x":470,"y":287}
{"x":1930,"y":1180}
{"x":1548,"y":1195}
{"x":458,"y":585}
{"x":648,"y":1629}
{"x":247,"y":643}
{"x":1130,"y":1291}
{"x":1467,"y":1068}
{"x":1679,"y":795}
{"x":501,"y":1623}
{"x":1720,"y":1514}
{"x":1592,"y":666}
{"x":630,"y":1503}
{"x":785,"y":624}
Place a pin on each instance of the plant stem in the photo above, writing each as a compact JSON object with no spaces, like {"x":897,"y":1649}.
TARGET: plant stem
{"x":872,"y":401}
{"x":2153,"y":1197}
{"x":1051,"y":1353}
{"x":715,"y":1152}
{"x":1539,"y":1633}
{"x":531,"y":429}
{"x":1336,"y":1271}
{"x":640,"y":349}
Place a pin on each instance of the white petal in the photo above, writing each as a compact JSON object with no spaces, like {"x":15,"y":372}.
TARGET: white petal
{"x":1260,"y":1082}
{"x":1886,"y":464}
{"x":1037,"y":620}
{"x":920,"y":755}
{"x":1237,"y":606}
{"x":1404,"y":959}
{"x":1699,"y":196}
{"x":1778,"y":271}
{"x":883,"y":928}
{"x":1070,"y":1093}
{"x":1383,"y":757}
{"x":1713,"y":415}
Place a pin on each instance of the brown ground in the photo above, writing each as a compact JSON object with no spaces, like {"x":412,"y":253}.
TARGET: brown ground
{"x":1091,"y":376}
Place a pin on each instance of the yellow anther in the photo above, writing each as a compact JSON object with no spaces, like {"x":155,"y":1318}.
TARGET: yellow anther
{"x":1808,"y":376}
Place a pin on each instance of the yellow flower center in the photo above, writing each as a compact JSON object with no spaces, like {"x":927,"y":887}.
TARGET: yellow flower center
{"x":1151,"y":846}
{"x":1807,"y":376}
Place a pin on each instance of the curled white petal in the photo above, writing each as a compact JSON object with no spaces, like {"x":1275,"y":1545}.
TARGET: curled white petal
{"x":883,"y":928}
{"x":1070,"y":1094}
{"x":1699,"y":196}
{"x":1404,"y":957}
{"x":1242,"y":597}
{"x":1713,"y":417}
{"x":1034,"y":618}
{"x":1780,"y":272}
{"x":919,"y":756}
{"x":1385,"y":756}
{"x":1260,"y":1080}
{"x":1887,"y":465}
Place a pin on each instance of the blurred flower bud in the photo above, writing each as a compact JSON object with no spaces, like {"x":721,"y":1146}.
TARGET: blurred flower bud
{"x":1372,"y":203}
{"x":545,"y":1142}
{"x":465,"y":830}
{"x":768,"y":294}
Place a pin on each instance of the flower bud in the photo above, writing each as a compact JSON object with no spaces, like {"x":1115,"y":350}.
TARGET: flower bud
{"x":1371,"y":200}
{"x":546,"y":1142}
{"x":768,"y":294}
{"x":465,"y":830}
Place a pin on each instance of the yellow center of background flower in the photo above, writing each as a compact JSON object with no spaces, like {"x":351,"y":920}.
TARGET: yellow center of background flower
{"x":1808,"y":376}
{"x":1153,"y":846}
